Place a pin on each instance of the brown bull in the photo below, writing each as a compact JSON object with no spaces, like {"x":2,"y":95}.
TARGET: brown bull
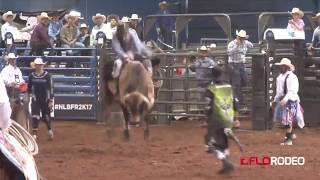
{"x":136,"y":94}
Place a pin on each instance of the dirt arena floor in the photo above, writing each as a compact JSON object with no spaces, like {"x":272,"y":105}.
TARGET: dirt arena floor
{"x":83,"y":151}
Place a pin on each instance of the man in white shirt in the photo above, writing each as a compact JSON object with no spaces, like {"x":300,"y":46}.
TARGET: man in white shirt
{"x":100,"y":26}
{"x":287,"y":99}
{"x":112,"y":23}
{"x":12,"y":76}
{"x":9,"y":26}
{"x":5,"y":109}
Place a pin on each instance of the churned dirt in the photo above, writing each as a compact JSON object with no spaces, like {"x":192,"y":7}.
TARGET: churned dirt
{"x":83,"y":151}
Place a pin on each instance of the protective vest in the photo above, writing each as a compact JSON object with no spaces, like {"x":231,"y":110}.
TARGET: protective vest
{"x":223,"y":109}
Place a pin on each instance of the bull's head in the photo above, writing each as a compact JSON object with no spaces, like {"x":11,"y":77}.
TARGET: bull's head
{"x":31,"y":20}
{"x":138,"y":105}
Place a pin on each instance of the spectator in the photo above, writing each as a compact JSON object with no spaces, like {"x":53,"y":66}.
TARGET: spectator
{"x":84,"y":37}
{"x":316,"y":35}
{"x":112,"y":23}
{"x":12,"y":76}
{"x":78,"y":18}
{"x":54,"y":30}
{"x":203,"y":66}
{"x":237,"y":50}
{"x":68,"y":34}
{"x":135,"y":24}
{"x":296,"y":23}
{"x":40,"y":89}
{"x":100,"y":26}
{"x":40,"y":39}
{"x":8,"y":17}
{"x":165,"y":25}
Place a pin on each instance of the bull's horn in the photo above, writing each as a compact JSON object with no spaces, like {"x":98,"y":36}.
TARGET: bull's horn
{"x":145,"y":99}
{"x":25,"y":18}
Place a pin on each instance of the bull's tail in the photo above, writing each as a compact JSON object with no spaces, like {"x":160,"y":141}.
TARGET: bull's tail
{"x":137,"y":98}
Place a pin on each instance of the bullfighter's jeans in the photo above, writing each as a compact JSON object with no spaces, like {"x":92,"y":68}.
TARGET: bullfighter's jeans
{"x":238,"y":79}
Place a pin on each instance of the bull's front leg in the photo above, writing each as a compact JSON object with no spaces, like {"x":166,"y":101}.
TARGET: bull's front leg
{"x":126,"y":118}
{"x":146,"y":128}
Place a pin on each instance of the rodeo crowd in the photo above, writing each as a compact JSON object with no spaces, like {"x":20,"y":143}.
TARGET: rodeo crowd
{"x":126,"y":42}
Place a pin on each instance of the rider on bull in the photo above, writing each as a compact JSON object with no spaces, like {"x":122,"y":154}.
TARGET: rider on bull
{"x":40,"y":89}
{"x":128,"y":47}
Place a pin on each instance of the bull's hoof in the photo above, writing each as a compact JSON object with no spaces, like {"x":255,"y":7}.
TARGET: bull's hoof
{"x":126,"y":134}
{"x":146,"y":134}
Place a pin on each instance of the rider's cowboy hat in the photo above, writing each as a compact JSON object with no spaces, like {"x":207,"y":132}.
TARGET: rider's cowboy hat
{"x":10,"y":56}
{"x":44,"y":15}
{"x":99,"y":15}
{"x":163,"y":3}
{"x":37,"y":61}
{"x":286,"y":62}
{"x":317,"y":16}
{"x":135,"y":17}
{"x":242,"y":33}
{"x":9,"y":13}
{"x":296,"y":11}
{"x":125,"y":19}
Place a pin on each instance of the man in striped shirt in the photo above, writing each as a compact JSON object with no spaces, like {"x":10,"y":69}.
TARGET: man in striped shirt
{"x":237,"y":50}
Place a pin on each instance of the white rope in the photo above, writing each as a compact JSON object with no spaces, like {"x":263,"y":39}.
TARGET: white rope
{"x":24,"y":138}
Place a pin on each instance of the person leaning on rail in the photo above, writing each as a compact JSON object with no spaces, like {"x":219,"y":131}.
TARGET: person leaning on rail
{"x":237,"y":50}
{"x":203,"y":66}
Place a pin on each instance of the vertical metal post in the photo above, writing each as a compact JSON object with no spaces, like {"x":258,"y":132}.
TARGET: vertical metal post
{"x":259,"y":105}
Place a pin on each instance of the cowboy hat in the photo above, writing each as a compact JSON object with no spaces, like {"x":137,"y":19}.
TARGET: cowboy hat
{"x":317,"y":16}
{"x":296,"y":11}
{"x":125,"y":19}
{"x":77,"y":14}
{"x":9,"y":13}
{"x":286,"y":62}
{"x":73,"y":14}
{"x":83,"y":25}
{"x":203,"y":48}
{"x":44,"y":15}
{"x":98,"y":15}
{"x":242,"y":33}
{"x":135,"y":17}
{"x":163,"y":3}
{"x":37,"y":61}
{"x":10,"y":56}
